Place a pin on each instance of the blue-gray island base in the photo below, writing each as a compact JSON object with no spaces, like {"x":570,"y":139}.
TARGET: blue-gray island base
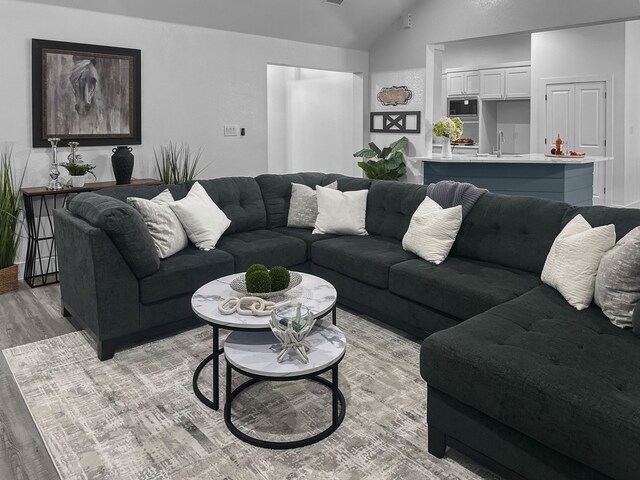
{"x":564,"y":182}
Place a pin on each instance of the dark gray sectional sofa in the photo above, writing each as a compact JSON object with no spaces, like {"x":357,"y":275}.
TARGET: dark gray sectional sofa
{"x":516,"y":377}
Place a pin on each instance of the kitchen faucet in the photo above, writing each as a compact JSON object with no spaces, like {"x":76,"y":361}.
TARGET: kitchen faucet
{"x":500,"y":142}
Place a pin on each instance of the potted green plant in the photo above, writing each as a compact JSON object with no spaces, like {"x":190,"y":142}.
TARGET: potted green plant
{"x":176,"y":164}
{"x":9,"y":214}
{"x":451,"y":129}
{"x":390,"y":160}
{"x":78,"y":172}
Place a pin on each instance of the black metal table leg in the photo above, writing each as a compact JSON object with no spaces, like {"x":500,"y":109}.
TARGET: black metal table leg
{"x":335,"y":390}
{"x":212,"y":403}
{"x":334,"y":318}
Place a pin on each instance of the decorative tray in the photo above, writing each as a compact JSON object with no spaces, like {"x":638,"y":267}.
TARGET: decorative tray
{"x":239,"y":285}
{"x":563,"y":156}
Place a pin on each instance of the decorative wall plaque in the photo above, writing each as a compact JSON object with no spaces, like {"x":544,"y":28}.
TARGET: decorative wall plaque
{"x":394,"y":96}
{"x":395,"y":122}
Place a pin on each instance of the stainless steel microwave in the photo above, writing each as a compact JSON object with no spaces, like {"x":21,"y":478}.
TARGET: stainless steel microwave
{"x":465,"y":108}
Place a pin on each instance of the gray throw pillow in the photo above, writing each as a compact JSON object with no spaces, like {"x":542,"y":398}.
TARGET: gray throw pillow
{"x":618,"y":280}
{"x":124,"y":226}
{"x":303,"y":208}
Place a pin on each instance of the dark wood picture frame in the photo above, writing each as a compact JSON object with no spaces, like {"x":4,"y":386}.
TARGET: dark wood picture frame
{"x":113,"y":113}
{"x":394,"y":122}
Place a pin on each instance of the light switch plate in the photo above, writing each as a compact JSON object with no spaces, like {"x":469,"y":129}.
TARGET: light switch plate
{"x":231,"y":130}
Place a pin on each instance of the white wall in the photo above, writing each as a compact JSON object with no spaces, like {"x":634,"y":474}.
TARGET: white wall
{"x":194,"y":80}
{"x":488,"y":51}
{"x":580,"y":54}
{"x":632,"y":115}
{"x":439,"y":21}
{"x":314,"y":120}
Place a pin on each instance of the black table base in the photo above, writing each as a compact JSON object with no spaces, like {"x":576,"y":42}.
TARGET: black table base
{"x":338,"y":406}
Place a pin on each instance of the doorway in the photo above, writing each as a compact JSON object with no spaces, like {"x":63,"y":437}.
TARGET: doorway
{"x":314,"y":120}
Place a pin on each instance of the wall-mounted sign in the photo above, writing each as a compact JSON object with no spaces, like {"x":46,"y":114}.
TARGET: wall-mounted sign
{"x":395,"y":122}
{"x":394,"y":96}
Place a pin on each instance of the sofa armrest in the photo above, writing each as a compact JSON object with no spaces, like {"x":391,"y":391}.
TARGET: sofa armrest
{"x":636,"y":320}
{"x":96,"y":284}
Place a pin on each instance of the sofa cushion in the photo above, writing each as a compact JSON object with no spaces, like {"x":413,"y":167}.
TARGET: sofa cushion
{"x":459,"y":286}
{"x":390,"y":206}
{"x":276,"y":190}
{"x":366,"y":259}
{"x":624,"y":219}
{"x":185,"y":272}
{"x":512,"y":231}
{"x":566,"y":378}
{"x":304,"y":234}
{"x":263,"y":246}
{"x":124,"y":226}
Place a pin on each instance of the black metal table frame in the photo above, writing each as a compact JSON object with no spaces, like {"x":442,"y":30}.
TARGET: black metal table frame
{"x":338,"y":405}
{"x":217,"y":350}
{"x":34,"y":258}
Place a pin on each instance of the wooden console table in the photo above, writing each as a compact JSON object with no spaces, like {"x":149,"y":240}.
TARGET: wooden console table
{"x":41,"y":262}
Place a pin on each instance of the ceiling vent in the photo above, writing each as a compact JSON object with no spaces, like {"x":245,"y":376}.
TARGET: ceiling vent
{"x":337,"y":3}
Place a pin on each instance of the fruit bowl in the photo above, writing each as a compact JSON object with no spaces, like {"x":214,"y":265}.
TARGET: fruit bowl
{"x":239,"y":285}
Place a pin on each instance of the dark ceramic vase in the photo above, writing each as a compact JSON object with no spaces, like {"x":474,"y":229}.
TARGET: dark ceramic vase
{"x":122,"y":163}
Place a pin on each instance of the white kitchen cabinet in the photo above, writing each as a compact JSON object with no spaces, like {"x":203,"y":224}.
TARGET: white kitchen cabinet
{"x":505,"y":83}
{"x":517,"y":82}
{"x":463,"y":83}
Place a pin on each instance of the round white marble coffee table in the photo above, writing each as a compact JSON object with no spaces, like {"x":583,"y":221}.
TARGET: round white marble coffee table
{"x":316,"y":294}
{"x":254,"y":355}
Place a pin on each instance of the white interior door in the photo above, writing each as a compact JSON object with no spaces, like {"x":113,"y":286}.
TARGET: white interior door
{"x":560,"y":114}
{"x":577,"y":112}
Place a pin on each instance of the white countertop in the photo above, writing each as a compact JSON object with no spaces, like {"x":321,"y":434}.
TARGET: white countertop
{"x":524,"y":158}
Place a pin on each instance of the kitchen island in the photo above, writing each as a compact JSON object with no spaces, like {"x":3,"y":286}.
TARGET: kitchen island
{"x":567,"y":180}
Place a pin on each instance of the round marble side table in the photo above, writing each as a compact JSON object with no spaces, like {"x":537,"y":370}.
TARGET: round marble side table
{"x":254,"y":355}
{"x":316,"y":294}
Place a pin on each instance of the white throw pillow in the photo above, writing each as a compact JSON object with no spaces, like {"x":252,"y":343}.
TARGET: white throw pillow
{"x":303,"y":208}
{"x":342,"y":213}
{"x":432,"y":231}
{"x":166,"y":230}
{"x":573,"y":260}
{"x":201,"y":218}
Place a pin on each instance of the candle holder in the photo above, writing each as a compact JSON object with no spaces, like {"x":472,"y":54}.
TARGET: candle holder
{"x":54,"y":173}
{"x":291,"y":325}
{"x":74,"y":156}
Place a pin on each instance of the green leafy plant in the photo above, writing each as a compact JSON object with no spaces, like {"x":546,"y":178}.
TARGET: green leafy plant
{"x":9,"y":209}
{"x":79,"y":169}
{"x":176,"y":164}
{"x":451,"y":128}
{"x":390,"y":164}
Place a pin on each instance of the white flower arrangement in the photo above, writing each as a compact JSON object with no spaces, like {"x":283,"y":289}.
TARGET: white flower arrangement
{"x":451,"y":128}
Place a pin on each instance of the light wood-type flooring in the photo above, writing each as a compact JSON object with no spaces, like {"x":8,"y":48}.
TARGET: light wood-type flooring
{"x":26,"y":315}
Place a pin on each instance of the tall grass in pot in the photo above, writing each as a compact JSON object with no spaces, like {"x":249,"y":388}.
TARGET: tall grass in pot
{"x":176,"y":164}
{"x":10,"y":206}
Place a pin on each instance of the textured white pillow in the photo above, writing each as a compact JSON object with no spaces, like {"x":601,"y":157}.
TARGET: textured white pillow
{"x":166,"y":230}
{"x":573,"y":260}
{"x":342,"y":213}
{"x":201,"y":218}
{"x":432,"y":231}
{"x":303,"y":208}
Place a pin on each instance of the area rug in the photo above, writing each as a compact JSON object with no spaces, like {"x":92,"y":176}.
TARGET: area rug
{"x":136,"y":416}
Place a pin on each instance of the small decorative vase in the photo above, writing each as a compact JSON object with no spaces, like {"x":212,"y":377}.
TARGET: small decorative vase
{"x":77,"y":181}
{"x":291,"y":325}
{"x":122,"y":164}
{"x":446,"y":148}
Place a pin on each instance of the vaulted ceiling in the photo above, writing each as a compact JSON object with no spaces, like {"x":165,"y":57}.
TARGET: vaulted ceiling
{"x":355,"y":24}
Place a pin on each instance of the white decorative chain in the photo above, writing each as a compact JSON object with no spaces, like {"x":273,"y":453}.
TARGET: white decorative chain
{"x":248,"y":306}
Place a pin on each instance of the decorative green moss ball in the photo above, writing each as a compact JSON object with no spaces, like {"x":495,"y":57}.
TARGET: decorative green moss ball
{"x":280,"y":278}
{"x":258,"y":281}
{"x":255,"y":267}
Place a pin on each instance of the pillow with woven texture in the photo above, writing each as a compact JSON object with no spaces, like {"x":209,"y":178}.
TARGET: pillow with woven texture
{"x":432,"y":231}
{"x":617,"y":289}
{"x":341,"y":213}
{"x":572,"y":263}
{"x":166,"y":230}
{"x":303,"y":207}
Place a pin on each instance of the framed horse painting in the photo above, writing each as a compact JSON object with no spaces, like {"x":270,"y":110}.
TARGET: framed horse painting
{"x":85,"y":93}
